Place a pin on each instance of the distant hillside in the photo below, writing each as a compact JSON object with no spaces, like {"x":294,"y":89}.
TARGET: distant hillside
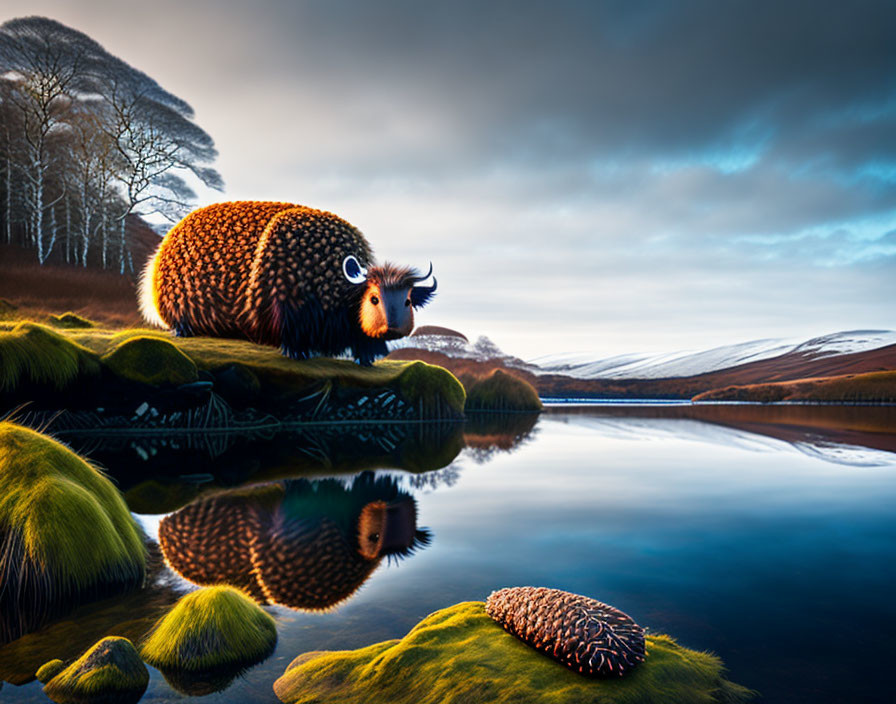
{"x":873,"y":387}
{"x":762,"y":362}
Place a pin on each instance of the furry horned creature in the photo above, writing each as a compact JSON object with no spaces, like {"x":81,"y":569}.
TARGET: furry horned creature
{"x":280,"y":274}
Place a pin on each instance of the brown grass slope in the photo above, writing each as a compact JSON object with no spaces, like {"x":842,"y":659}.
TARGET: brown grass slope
{"x":873,"y":387}
{"x":98,"y":294}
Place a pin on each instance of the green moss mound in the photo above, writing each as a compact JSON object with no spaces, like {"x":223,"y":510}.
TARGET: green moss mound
{"x":35,"y":354}
{"x":150,"y":360}
{"x":49,"y":670}
{"x":53,"y":504}
{"x":245,"y":373}
{"x":208,"y":629}
{"x":435,"y":390}
{"x":110,"y":671}
{"x":460,"y":655}
{"x":70,"y":320}
{"x":500,"y":391}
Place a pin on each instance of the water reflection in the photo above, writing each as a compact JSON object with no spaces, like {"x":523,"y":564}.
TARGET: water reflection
{"x":128,"y":615}
{"x":486,"y":434}
{"x":161,"y":473}
{"x":853,"y":435}
{"x":296,"y":543}
{"x":678,"y":533}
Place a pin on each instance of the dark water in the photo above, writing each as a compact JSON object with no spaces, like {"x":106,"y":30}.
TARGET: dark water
{"x":766,"y":535}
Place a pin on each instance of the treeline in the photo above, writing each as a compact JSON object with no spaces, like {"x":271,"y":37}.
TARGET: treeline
{"x":85,"y":142}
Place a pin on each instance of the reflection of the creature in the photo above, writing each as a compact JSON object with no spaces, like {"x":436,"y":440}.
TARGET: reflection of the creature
{"x":298,"y":543}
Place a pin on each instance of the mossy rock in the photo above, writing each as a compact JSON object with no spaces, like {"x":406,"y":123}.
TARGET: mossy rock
{"x":70,"y":320}
{"x":150,"y":360}
{"x":35,"y":354}
{"x":52,"y":504}
{"x":500,"y":391}
{"x":431,"y":389}
{"x":459,"y":655}
{"x":212,"y":628}
{"x":49,"y":670}
{"x":111,"y":671}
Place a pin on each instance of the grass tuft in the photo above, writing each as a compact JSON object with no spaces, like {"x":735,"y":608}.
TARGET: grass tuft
{"x":211,"y":628}
{"x":459,"y":655}
{"x":70,"y":320}
{"x":150,"y":360}
{"x":110,"y":671}
{"x":500,"y":391}
{"x":35,"y":354}
{"x":65,"y":532}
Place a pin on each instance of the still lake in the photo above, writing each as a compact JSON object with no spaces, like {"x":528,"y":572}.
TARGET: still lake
{"x":764,"y":534}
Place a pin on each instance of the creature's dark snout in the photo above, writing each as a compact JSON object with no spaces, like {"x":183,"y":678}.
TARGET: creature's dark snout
{"x":399,"y":315}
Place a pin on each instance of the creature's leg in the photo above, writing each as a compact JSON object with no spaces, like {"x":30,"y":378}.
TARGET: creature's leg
{"x":293,"y":352}
{"x":367,"y":350}
{"x":182,"y":329}
{"x":298,"y":329}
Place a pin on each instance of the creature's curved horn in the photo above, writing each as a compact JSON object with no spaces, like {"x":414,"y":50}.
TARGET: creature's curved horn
{"x":417,"y":279}
{"x":420,"y":295}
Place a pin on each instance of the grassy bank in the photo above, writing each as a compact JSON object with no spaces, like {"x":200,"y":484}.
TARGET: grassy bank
{"x":38,"y":361}
{"x":873,"y":387}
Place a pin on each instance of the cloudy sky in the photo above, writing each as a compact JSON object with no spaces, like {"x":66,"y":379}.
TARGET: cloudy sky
{"x":595,"y":177}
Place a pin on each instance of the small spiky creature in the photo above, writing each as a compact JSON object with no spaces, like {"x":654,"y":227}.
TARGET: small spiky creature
{"x":584,"y":634}
{"x":279,"y":274}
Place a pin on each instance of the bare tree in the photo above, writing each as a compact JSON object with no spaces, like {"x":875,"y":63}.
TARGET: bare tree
{"x":47,"y":64}
{"x":91,"y":141}
{"x":156,"y":144}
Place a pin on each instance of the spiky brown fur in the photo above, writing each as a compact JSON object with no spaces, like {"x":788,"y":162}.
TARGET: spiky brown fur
{"x":267,"y":272}
{"x":584,"y":634}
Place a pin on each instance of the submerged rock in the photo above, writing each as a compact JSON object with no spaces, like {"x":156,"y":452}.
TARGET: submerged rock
{"x":53,"y":505}
{"x":584,"y":634}
{"x":212,"y":628}
{"x":460,"y":655}
{"x":110,"y":672}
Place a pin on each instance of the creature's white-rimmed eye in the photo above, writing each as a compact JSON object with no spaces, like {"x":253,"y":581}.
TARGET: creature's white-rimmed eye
{"x":353,"y":271}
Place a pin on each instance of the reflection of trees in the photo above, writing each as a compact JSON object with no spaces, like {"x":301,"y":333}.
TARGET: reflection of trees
{"x":298,"y":543}
{"x":88,"y":140}
{"x":433,"y":480}
{"x":488,"y":433}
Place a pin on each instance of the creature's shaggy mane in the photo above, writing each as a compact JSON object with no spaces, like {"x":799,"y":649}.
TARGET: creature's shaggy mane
{"x":389,"y":275}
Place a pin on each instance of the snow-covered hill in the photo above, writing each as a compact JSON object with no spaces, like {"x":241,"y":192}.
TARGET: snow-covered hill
{"x":656,"y":366}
